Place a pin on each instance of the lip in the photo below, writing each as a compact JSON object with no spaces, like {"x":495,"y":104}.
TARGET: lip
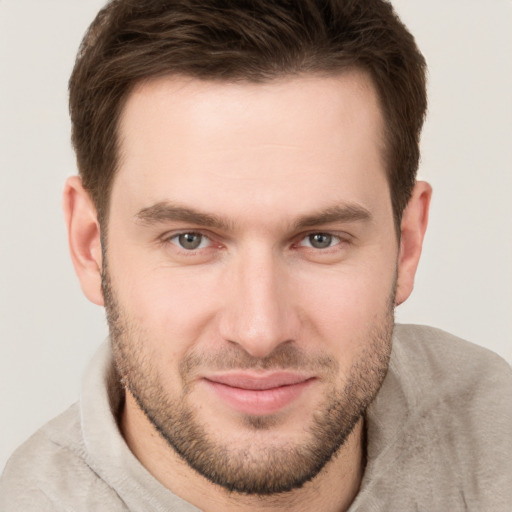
{"x":256,"y":394}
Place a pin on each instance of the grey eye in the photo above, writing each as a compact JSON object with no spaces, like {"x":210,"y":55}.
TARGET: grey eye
{"x":320,"y":240}
{"x":190,"y":241}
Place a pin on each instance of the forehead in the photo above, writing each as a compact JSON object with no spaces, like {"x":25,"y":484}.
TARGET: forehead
{"x":310,"y":137}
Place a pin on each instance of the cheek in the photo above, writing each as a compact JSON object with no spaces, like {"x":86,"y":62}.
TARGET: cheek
{"x":344,"y":306}
{"x":172,"y":307}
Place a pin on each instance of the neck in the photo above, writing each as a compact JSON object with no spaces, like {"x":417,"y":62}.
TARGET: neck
{"x":332,"y":490}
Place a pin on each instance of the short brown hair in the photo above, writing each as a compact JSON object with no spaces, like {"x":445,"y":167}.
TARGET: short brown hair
{"x":249,"y":40}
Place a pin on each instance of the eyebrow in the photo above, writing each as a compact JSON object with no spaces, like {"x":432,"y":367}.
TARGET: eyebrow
{"x":168,"y":212}
{"x":340,"y":213}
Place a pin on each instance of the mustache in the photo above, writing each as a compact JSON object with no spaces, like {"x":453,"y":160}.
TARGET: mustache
{"x":284,"y":357}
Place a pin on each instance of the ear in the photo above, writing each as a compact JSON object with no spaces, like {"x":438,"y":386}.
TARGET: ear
{"x":84,"y":238}
{"x":413,"y":227}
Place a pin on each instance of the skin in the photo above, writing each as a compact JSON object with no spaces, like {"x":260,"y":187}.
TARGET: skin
{"x":269,"y":162}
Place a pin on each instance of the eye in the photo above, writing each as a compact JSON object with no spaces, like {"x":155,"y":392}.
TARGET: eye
{"x":190,"y":241}
{"x":320,"y":241}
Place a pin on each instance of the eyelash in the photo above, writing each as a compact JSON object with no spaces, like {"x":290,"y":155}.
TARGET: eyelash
{"x":340,"y":240}
{"x":328,"y":235}
{"x":168,"y":239}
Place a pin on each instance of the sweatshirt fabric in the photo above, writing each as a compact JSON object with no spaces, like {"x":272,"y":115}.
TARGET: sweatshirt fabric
{"x":439,"y":438}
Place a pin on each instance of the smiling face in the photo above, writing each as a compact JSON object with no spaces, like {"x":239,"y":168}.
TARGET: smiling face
{"x":252,"y":263}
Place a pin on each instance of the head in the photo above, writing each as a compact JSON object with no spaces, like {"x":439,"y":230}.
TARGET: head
{"x":248,"y":215}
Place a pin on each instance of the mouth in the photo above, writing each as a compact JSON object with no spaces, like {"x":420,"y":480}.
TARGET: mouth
{"x":258,"y":394}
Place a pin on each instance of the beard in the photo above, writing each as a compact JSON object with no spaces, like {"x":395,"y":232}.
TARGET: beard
{"x":250,"y":467}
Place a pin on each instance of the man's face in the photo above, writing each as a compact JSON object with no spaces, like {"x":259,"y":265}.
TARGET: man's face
{"x":251,"y":270}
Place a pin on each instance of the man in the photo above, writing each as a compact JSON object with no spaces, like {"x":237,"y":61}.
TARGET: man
{"x":248,"y":213}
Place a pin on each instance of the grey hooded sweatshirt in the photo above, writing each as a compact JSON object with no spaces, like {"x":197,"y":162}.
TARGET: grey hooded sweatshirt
{"x":439,"y":438}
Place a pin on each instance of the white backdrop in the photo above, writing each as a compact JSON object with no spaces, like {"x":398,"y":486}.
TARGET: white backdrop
{"x":48,"y":331}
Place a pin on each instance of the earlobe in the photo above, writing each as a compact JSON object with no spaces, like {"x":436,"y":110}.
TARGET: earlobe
{"x":84,"y":238}
{"x":413,"y":227}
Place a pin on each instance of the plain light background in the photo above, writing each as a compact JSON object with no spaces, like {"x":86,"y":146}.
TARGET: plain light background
{"x":48,"y":330}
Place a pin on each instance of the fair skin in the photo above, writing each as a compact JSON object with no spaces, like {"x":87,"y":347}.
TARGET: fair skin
{"x":292,"y":247}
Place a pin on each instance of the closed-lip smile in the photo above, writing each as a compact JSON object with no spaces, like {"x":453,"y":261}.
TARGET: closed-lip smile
{"x":258,"y":393}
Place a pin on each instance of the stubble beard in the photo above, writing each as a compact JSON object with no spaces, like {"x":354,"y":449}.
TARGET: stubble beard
{"x":250,"y":469}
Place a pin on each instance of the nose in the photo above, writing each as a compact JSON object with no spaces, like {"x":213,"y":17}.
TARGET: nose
{"x":259,"y":314}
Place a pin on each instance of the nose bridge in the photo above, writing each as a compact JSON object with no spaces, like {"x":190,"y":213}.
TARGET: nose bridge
{"x":259,"y":315}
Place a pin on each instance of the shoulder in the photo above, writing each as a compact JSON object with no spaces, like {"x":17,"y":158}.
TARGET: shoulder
{"x":442,"y":424}
{"x":429,"y":339}
{"x":454,"y":365}
{"x":459,"y":385}
{"x":50,"y":472}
